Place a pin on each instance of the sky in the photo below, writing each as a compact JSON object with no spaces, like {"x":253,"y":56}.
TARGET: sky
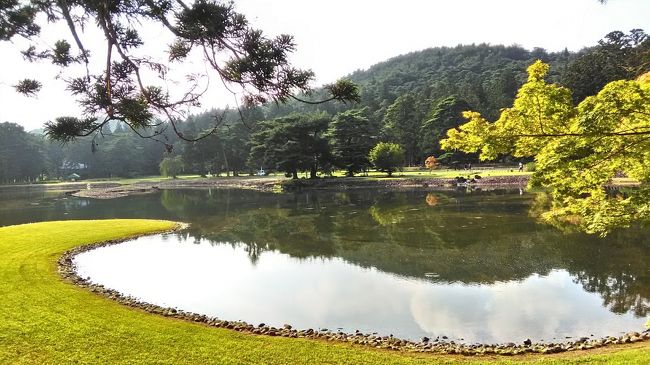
{"x":337,"y":37}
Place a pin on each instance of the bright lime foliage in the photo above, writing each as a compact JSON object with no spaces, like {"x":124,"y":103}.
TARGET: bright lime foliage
{"x":387,"y":157}
{"x":578,"y":149}
{"x":171,"y":166}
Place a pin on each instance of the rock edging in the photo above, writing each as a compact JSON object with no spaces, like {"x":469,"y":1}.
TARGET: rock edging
{"x":115,"y":192}
{"x":68,"y":271}
{"x":283,"y":185}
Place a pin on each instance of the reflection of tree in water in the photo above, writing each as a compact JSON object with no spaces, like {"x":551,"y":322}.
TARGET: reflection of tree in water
{"x":482,"y":237}
{"x":545,"y":209}
{"x":254,"y":251}
{"x":431,"y":199}
{"x":387,"y":216}
{"x":262,"y":222}
{"x":620,"y":294}
{"x":615,"y":268}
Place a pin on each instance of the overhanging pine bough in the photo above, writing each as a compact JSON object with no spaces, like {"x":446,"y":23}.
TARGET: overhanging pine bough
{"x":238,"y":54}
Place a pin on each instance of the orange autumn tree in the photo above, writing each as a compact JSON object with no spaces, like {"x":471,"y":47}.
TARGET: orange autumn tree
{"x":431,"y":163}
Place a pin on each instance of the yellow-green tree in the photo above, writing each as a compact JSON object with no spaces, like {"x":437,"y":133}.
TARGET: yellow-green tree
{"x":171,"y":166}
{"x":578,"y":149}
{"x":387,"y":157}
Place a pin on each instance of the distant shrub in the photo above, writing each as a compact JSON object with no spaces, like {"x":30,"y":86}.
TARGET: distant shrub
{"x":531,"y":166}
{"x":171,"y":166}
{"x":387,"y":157}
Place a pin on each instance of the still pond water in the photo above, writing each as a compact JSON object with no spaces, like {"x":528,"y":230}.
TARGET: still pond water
{"x":473,"y":266}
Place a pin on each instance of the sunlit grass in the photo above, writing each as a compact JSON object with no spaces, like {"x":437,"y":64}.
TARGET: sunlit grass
{"x":144,"y":179}
{"x":447,"y":174}
{"x":406,"y":173}
{"x":45,"y":320}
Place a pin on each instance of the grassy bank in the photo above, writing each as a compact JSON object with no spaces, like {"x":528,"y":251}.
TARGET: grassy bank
{"x":407,"y":173}
{"x":46,"y":320}
{"x":445,"y":173}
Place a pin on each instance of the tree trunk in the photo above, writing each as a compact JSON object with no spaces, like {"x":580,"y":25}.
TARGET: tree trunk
{"x":294,"y":174}
{"x":225,"y":158}
{"x":313,"y":171}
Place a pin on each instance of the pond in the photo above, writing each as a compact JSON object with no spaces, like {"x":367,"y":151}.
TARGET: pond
{"x":471,"y":266}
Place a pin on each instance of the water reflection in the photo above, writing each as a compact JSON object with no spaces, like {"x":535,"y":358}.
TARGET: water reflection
{"x":480,"y":238}
{"x":220,"y":280}
{"x":469,"y":245}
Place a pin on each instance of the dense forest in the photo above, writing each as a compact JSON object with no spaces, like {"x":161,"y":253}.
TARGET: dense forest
{"x":410,"y":100}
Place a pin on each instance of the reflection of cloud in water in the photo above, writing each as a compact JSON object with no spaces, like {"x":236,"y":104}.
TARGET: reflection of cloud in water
{"x":541,"y":308}
{"x":220,"y":280}
{"x":448,"y":310}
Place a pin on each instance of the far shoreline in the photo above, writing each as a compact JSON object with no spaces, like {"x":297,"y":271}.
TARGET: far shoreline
{"x":283,"y":185}
{"x":118,"y":188}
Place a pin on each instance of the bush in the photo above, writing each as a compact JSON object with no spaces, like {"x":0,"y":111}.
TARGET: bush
{"x":530,"y":166}
{"x":387,"y":157}
{"x":171,"y":166}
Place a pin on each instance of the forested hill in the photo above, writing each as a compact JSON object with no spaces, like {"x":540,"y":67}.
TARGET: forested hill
{"x":411,"y":100}
{"x":485,"y":76}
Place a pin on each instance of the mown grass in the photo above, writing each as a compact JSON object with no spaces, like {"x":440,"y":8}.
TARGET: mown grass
{"x":450,"y":174}
{"x":45,"y":320}
{"x":141,"y":179}
{"x":407,"y":173}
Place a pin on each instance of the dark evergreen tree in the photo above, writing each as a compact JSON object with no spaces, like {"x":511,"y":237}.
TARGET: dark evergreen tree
{"x":21,"y":155}
{"x":402,"y":125}
{"x":444,"y":115}
{"x":351,"y":138}
{"x":618,"y":56}
{"x":292,"y":144}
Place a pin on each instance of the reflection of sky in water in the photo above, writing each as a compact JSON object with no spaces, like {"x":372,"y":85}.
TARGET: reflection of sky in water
{"x":221,"y":281}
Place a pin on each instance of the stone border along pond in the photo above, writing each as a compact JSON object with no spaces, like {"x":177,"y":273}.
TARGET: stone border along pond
{"x":67,"y":269}
{"x":287,"y":185}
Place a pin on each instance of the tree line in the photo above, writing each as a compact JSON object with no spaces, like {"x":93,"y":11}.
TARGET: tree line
{"x":29,"y":156}
{"x":410,"y":100}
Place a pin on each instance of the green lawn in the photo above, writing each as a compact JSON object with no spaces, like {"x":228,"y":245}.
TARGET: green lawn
{"x":407,"y":173}
{"x":145,"y":179}
{"x":44,"y":319}
{"x":450,"y":174}
{"x":117,"y":180}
